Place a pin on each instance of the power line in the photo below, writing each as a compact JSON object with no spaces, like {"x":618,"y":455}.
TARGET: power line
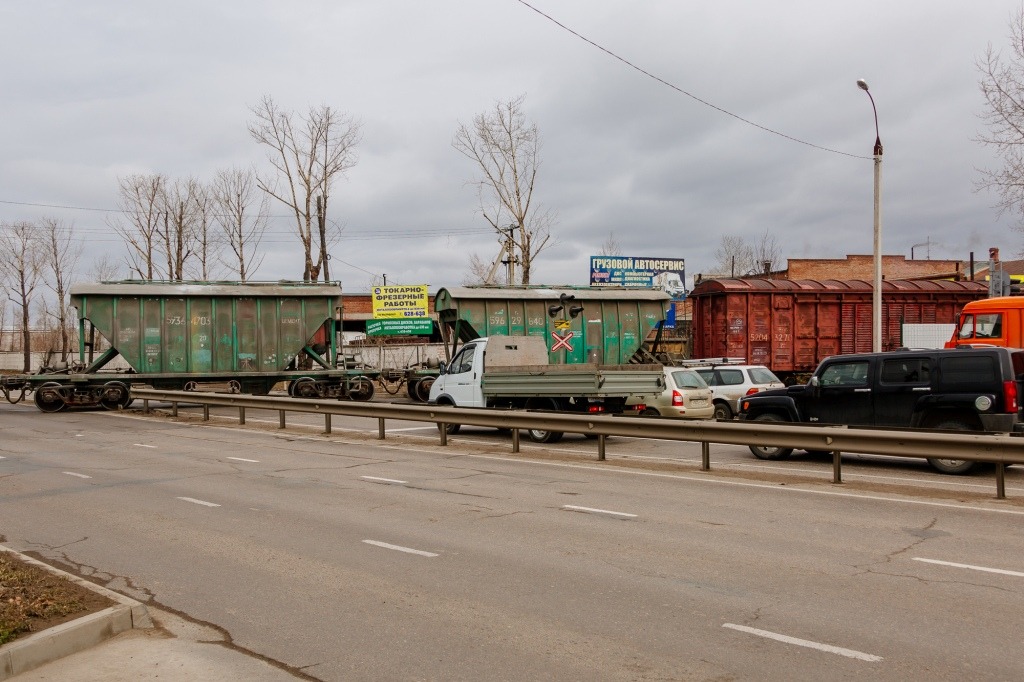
{"x":684,"y":92}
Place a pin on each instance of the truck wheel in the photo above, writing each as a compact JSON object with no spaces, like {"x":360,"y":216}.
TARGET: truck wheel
{"x":769,"y":452}
{"x":539,"y":436}
{"x":423,"y":389}
{"x":723,"y":411}
{"x":952,"y":466}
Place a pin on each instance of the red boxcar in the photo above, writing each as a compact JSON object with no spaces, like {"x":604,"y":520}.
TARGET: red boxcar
{"x":791,"y":325}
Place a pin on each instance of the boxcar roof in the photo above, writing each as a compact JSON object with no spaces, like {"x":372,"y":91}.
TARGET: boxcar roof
{"x":715,"y":286}
{"x":231,"y":289}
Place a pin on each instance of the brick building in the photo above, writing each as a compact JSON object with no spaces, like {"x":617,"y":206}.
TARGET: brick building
{"x":857,"y":266}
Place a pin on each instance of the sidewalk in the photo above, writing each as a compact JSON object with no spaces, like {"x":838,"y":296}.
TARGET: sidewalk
{"x":173,"y":650}
{"x":126,"y":642}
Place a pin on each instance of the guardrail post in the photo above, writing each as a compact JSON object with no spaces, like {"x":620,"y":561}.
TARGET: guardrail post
{"x":837,"y":467}
{"x":380,"y":428}
{"x":145,"y":405}
{"x":241,"y":416}
{"x":515,"y":440}
{"x":705,"y":456}
{"x":327,"y":423}
{"x":206,"y":412}
{"x":1000,"y":481}
{"x":174,"y":409}
{"x":600,"y":447}
{"x":443,"y":428}
{"x":280,"y":419}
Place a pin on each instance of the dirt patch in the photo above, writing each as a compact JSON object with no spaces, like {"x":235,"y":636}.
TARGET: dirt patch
{"x":33,"y":599}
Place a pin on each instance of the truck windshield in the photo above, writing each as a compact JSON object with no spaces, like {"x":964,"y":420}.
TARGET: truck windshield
{"x":983,"y":326}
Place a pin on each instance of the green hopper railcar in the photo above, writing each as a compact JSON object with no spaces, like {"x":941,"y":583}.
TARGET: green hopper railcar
{"x":240,"y":337}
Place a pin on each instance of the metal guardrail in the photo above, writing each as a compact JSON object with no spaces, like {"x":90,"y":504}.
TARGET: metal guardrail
{"x":998,"y":449}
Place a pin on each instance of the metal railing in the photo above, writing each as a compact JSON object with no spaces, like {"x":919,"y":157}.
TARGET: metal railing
{"x":997,"y":449}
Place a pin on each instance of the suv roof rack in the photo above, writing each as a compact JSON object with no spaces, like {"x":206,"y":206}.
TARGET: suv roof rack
{"x":713,"y":361}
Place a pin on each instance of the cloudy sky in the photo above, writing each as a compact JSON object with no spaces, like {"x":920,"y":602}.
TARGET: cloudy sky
{"x":93,"y":91}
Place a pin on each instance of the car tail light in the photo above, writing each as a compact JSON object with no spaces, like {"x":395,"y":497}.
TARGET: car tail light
{"x":593,"y":409}
{"x":752,"y":390}
{"x":1010,"y":396}
{"x":677,"y":398}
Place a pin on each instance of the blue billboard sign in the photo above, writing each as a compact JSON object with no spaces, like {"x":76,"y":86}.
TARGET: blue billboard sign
{"x":667,"y":274}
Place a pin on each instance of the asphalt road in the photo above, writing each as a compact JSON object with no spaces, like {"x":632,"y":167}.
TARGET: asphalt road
{"x":351,"y":558}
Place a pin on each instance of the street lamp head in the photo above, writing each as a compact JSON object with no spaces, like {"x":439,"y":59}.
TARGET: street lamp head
{"x":862,"y":84}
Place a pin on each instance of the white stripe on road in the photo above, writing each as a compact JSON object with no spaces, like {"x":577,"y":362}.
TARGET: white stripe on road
{"x":1001,"y":571}
{"x":71,"y":473}
{"x":195,"y":501}
{"x":397,"y":548}
{"x":382,"y":480}
{"x":590,"y":510}
{"x":140,"y":445}
{"x":243,"y":459}
{"x":411,"y":428}
{"x":849,"y":653}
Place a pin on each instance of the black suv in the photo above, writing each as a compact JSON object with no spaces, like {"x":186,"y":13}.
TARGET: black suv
{"x":965,"y":389}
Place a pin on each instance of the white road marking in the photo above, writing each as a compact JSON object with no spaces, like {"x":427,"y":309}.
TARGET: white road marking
{"x":79,"y":435}
{"x":141,"y":445}
{"x":849,"y":653}
{"x":2,"y":457}
{"x":397,"y":548}
{"x":986,"y":569}
{"x":243,"y":459}
{"x":432,"y":427}
{"x":591,"y":510}
{"x":71,"y":473}
{"x":382,"y":480}
{"x":195,"y":501}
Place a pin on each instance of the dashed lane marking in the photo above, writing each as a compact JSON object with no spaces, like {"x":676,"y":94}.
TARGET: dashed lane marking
{"x":243,"y":459}
{"x":142,"y":445}
{"x":591,"y":510}
{"x":71,"y":473}
{"x":985,"y":569}
{"x":828,"y":648}
{"x":397,"y":548}
{"x":195,"y":501}
{"x":382,"y":480}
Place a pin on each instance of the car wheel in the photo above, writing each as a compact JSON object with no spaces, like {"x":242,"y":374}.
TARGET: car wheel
{"x":770,"y":452}
{"x":650,"y":412}
{"x":450,"y":429}
{"x":953,"y":466}
{"x":540,"y":436}
{"x":723,"y":411}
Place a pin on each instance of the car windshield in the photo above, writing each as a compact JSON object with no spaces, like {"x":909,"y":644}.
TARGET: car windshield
{"x":685,"y":378}
{"x":763,"y":375}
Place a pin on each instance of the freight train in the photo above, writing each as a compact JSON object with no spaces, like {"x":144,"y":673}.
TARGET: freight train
{"x":791,"y":325}
{"x":241,"y":337}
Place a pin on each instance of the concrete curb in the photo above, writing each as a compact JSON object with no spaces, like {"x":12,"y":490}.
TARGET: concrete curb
{"x":76,"y":635}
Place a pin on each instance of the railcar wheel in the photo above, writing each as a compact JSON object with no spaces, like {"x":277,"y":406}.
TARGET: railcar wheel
{"x":234,"y":386}
{"x":191,"y":386}
{"x":423,"y":389}
{"x":115,"y":395}
{"x":50,"y":397}
{"x":770,"y":452}
{"x":953,"y":466}
{"x":360,"y":389}
{"x":304,"y":387}
{"x":411,"y":388}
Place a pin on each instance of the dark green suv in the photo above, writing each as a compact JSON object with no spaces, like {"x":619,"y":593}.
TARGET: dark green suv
{"x":963,"y":389}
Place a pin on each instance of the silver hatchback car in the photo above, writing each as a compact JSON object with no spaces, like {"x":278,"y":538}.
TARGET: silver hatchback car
{"x":730,"y":382}
{"x":686,"y":395}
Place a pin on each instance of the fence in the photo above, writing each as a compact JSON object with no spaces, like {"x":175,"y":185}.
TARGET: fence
{"x":997,"y":449}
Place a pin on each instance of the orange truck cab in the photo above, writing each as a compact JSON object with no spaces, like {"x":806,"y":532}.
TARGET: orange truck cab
{"x":995,"y":321}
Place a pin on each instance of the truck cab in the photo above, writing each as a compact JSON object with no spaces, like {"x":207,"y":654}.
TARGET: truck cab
{"x":995,"y":321}
{"x":459,"y":381}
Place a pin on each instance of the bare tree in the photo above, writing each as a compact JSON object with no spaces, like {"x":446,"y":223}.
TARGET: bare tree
{"x":140,"y":200}
{"x":208,"y":242}
{"x":507,"y":151}
{"x":610,"y":246}
{"x":60,"y":258}
{"x":105,"y":268}
{"x":737,"y":257}
{"x":308,"y":155}
{"x":177,"y":234}
{"x":20,"y":266}
{"x":241,"y":212}
{"x":1002,"y":86}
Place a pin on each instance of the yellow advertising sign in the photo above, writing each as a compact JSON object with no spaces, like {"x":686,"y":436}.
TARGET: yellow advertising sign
{"x":400,"y":302}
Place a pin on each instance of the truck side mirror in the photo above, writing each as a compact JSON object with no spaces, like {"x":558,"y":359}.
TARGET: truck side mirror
{"x":815,"y":385}
{"x":442,"y":368}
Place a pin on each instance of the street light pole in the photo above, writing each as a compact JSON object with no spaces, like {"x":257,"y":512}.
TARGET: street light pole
{"x":876,"y":296}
